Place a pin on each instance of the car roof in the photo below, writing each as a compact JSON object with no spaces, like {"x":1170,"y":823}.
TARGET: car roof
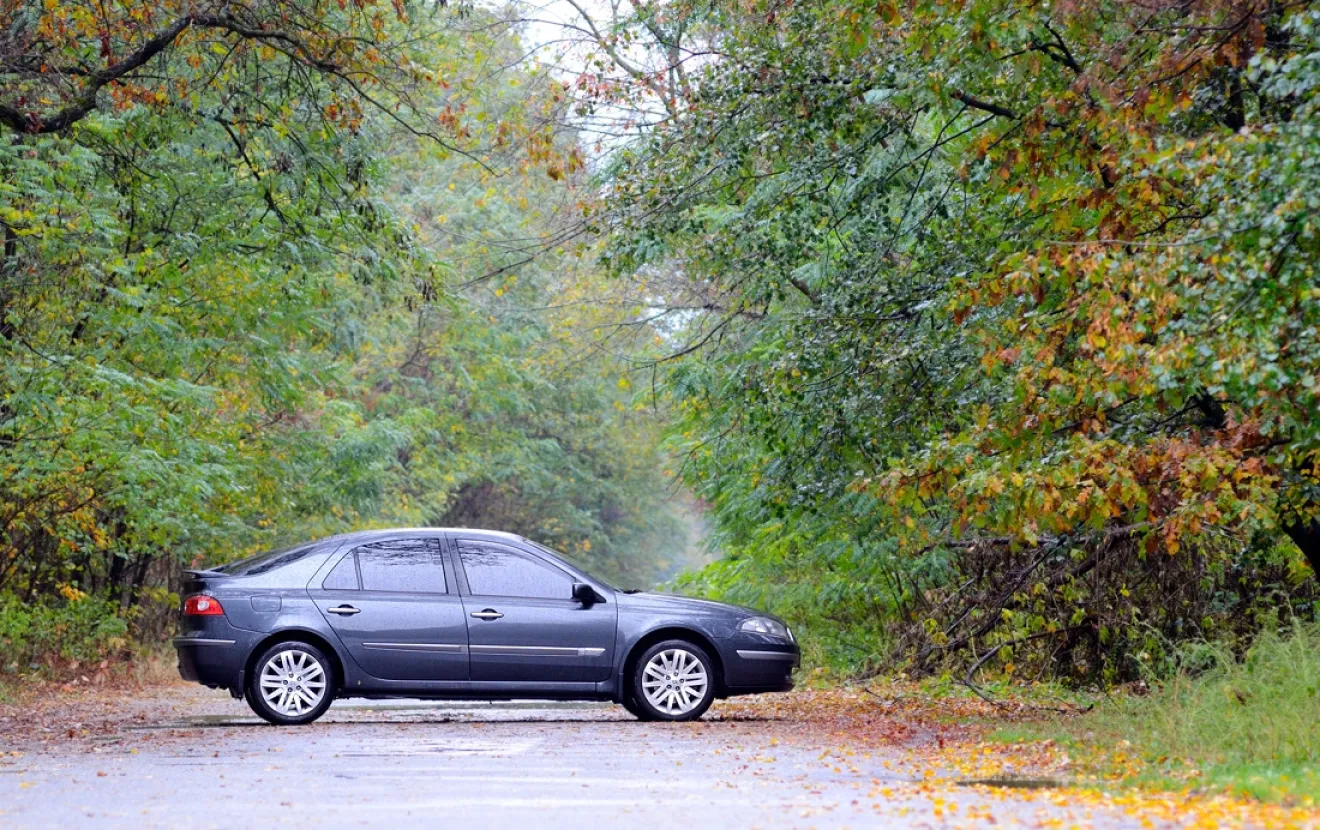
{"x":386,"y":533}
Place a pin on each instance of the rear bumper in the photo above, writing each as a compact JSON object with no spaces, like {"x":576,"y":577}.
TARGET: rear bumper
{"x":215,"y":654}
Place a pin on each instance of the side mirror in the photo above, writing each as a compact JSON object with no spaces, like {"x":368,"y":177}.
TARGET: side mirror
{"x":585,"y":594}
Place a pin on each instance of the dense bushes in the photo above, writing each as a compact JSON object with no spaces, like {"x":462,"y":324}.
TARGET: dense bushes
{"x":52,"y":635}
{"x":863,"y":607}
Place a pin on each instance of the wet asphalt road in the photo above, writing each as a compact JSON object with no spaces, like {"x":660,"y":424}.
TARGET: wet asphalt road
{"x":481,"y":766}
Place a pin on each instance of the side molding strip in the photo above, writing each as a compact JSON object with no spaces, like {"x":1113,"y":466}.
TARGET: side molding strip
{"x":199,"y":641}
{"x":539,"y":651}
{"x":753,"y":654}
{"x":443,"y":648}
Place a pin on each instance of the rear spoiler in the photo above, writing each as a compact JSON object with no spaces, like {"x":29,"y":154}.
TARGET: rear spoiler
{"x":204,"y":574}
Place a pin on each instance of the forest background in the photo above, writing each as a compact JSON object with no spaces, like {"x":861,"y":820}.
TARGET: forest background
{"x":974,"y":336}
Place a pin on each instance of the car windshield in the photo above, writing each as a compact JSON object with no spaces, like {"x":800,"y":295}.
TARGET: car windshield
{"x":268,"y":561}
{"x":562,"y":558}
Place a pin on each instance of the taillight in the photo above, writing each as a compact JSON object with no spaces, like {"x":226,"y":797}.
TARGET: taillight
{"x":200,"y":605}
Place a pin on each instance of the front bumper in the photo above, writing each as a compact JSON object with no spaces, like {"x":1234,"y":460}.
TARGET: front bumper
{"x":760,"y":666}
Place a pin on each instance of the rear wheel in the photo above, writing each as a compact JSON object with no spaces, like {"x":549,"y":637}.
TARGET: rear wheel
{"x":674,"y":681}
{"x":291,"y":683}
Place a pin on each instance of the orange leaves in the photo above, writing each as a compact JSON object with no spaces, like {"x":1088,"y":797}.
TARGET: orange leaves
{"x":345,"y":112}
{"x":129,"y":45}
{"x":1182,"y":485}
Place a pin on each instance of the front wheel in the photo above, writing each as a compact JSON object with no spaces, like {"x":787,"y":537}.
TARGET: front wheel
{"x":674,"y":681}
{"x":291,"y":684}
{"x":636,"y":711}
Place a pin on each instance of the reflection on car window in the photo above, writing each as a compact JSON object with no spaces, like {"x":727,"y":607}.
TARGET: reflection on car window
{"x":408,"y":565}
{"x":556,"y":555}
{"x":497,"y":571}
{"x":268,"y":561}
{"x":344,"y":577}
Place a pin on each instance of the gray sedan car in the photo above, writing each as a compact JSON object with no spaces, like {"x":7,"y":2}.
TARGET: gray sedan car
{"x":451,"y":614}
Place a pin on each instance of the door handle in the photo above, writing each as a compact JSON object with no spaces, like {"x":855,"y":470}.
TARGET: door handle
{"x":488,"y":614}
{"x":344,"y":610}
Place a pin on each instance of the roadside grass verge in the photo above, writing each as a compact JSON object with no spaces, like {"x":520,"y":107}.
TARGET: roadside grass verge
{"x":143,"y":666}
{"x":79,"y":639}
{"x":1244,"y":724}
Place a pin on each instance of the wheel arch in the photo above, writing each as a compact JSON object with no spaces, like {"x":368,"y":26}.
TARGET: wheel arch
{"x":299,"y":635}
{"x":671,"y":632}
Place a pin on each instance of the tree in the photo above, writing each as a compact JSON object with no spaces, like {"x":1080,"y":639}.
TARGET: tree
{"x":223,"y":326}
{"x":185,"y":208}
{"x":1020,"y":294}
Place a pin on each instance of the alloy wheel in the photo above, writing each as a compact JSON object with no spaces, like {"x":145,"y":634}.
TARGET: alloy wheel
{"x":292,"y":682}
{"x":674,"y":681}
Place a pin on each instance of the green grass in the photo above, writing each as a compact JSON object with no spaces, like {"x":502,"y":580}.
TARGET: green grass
{"x":1250,"y":726}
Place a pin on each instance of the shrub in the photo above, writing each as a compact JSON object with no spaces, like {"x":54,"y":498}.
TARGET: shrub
{"x":80,"y":628}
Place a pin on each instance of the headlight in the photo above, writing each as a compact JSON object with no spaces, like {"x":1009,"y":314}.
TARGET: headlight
{"x":767,"y":626}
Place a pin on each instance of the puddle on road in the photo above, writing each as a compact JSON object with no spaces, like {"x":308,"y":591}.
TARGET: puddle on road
{"x":453,"y":746}
{"x":417,"y":712}
{"x":196,"y":722}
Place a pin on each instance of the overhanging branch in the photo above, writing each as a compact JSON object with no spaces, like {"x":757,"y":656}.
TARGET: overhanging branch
{"x":31,"y":122}
{"x":983,"y":106}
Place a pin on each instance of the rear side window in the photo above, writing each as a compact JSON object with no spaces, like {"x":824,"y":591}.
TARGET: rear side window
{"x":402,"y":565}
{"x":344,"y":577}
{"x":497,"y":571}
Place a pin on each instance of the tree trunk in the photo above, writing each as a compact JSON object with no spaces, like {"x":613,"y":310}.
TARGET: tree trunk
{"x":1307,"y":537}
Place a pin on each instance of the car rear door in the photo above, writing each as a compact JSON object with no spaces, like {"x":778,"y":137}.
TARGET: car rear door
{"x":523,"y":623}
{"x":395,"y":609}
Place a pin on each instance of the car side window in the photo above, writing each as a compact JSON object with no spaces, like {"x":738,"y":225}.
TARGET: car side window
{"x":344,"y":577}
{"x":498,"y":571}
{"x":402,"y":565}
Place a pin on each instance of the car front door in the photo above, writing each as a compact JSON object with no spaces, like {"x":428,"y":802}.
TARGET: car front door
{"x":395,"y":610}
{"x":523,"y":623}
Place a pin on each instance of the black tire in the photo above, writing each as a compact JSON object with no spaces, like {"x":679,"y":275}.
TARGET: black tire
{"x":649,"y":710}
{"x":313,"y":667}
{"x":633,"y":709}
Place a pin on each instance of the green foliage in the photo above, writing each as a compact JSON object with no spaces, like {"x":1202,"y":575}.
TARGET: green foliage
{"x":837,"y":594}
{"x":504,"y":411}
{"x":80,"y":629}
{"x":1016,"y":300}
{"x":231,"y":316}
{"x":169,"y":307}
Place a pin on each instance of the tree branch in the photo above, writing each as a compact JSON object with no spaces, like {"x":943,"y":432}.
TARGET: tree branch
{"x":85,"y":103}
{"x":30,"y":122}
{"x":983,"y":106}
{"x":1058,"y":50}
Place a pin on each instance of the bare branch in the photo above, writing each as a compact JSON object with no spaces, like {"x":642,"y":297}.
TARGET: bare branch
{"x":983,"y":106}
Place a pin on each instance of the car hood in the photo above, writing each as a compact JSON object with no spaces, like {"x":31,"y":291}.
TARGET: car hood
{"x":687,"y":605}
